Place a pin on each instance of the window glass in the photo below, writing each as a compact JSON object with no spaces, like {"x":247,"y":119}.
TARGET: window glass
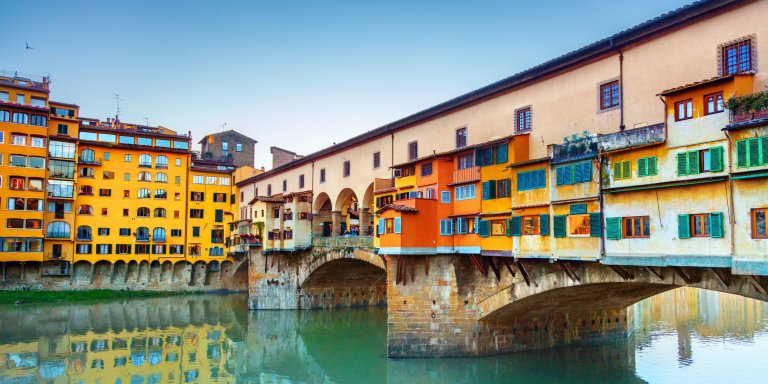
{"x":127,"y":140}
{"x":181,"y":145}
{"x":91,"y":136}
{"x":163,"y":143}
{"x":578,"y":225}
{"x":107,"y":137}
{"x":145,"y":141}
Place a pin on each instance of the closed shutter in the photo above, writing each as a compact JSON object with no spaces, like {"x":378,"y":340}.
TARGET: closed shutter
{"x":501,"y":153}
{"x":382,"y":225}
{"x":559,"y":176}
{"x":397,"y":225}
{"x":586,"y":171}
{"x":484,"y":228}
{"x":559,"y":226}
{"x":683,"y":227}
{"x":741,"y":153}
{"x":578,"y":209}
{"x":652,"y":170}
{"x":517,"y":225}
{"x":626,"y":169}
{"x":682,"y":164}
{"x":492,"y":188}
{"x":508,"y":227}
{"x":486,"y":190}
{"x":642,"y":167}
{"x":219,"y":215}
{"x":693,"y":163}
{"x":477,"y":224}
{"x":442,"y":228}
{"x":613,"y":228}
{"x":764,"y":145}
{"x":544,"y":224}
{"x":508,"y":187}
{"x":595,"y":224}
{"x":573,"y":174}
{"x":753,"y":148}
{"x":478,"y":157}
{"x":716,"y":159}
{"x":716,"y":225}
{"x":617,"y":170}
{"x":542,"y":179}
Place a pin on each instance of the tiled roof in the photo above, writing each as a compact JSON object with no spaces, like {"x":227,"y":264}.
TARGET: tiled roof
{"x":397,"y":207}
{"x":695,"y":84}
{"x":267,"y":199}
{"x":459,"y":150}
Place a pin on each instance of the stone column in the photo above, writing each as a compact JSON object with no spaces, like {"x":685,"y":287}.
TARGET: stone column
{"x":365,"y":217}
{"x":336,"y":219}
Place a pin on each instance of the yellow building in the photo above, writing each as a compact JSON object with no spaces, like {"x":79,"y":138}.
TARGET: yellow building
{"x":211,"y":195}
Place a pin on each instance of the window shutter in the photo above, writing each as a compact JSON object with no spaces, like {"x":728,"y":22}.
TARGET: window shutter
{"x":617,"y":170}
{"x":578,"y":173}
{"x":484,"y":229}
{"x":595,"y":224}
{"x":544,"y":224}
{"x":478,"y":157}
{"x":572,"y":174}
{"x":559,"y":226}
{"x":492,"y":189}
{"x":586,"y":171}
{"x":542,"y":178}
{"x":445,"y":196}
{"x":381,"y":226}
{"x":682,"y":163}
{"x":517,"y":226}
{"x":652,"y":170}
{"x":578,"y":209}
{"x":764,"y":145}
{"x":486,"y":190}
{"x":683,"y":227}
{"x":693,"y":163}
{"x":213,"y":235}
{"x":397,"y":225}
{"x":716,"y":225}
{"x":508,"y":228}
{"x":626,"y":171}
{"x":219,"y":216}
{"x":716,"y":159}
{"x":442,"y":227}
{"x":741,"y":153}
{"x":509,"y":187}
{"x":559,"y":176}
{"x":501,"y":153}
{"x":613,"y":228}
{"x":477,"y":224}
{"x":642,"y":167}
{"x":753,"y":152}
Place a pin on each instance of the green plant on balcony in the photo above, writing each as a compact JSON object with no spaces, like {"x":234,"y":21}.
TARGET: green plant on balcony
{"x":746,"y":104}
{"x":259,"y":228}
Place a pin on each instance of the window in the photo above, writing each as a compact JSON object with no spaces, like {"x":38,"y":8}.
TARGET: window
{"x":347,"y":168}
{"x":103,"y":249}
{"x":123,"y":249}
{"x":127,"y":158}
{"x":464,"y":225}
{"x":85,"y":210}
{"x":198,"y":179}
{"x":466,"y":161}
{"x":376,"y":160}
{"x":751,"y":152}
{"x":523,"y":120}
{"x":145,"y":160}
{"x":223,"y":180}
{"x":58,"y":229}
{"x":84,"y":233}
{"x":704,"y":160}
{"x":104,"y":211}
{"x":636,"y":227}
{"x":196,"y":213}
{"x":145,"y":141}
{"x":142,"y":234}
{"x":176,"y":249}
{"x":269,"y":189}
{"x":609,"y":95}
{"x":145,"y":176}
{"x":622,"y":170}
{"x":532,"y":180}
{"x":38,"y":120}
{"x":498,"y":227}
{"x":108,"y":175}
{"x":19,"y":98}
{"x":158,"y":234}
{"x":161,"y":162}
{"x":106,"y":156}
{"x":175,"y":232}
{"x":20,"y":118}
{"x":713,"y":103}
{"x":224,"y":146}
{"x":285,"y":185}
{"x":210,"y":180}
{"x":758,"y":223}
{"x":5,"y":115}
{"x":161,"y":177}
{"x":301,"y":181}
{"x":700,"y":225}
{"x":84,"y":249}
{"x":62,"y":129}
{"x":461,"y":137}
{"x":573,"y":174}
{"x":195,"y":231}
{"x":86,"y":190}
{"x":466,"y":192}
{"x":683,"y":110}
{"x":503,"y":188}
{"x":142,"y":212}
{"x":125,"y":231}
{"x":445,"y":196}
{"x":37,"y":142}
{"x":105,"y":192}
{"x":646,"y":166}
{"x":322,"y":175}
{"x":178,"y":162}
{"x":20,"y":140}
{"x":413,"y":150}
{"x":737,"y":57}
{"x":125,"y":212}
{"x":531,"y":225}
{"x":578,"y":225}
{"x":197,"y":196}
{"x":161,"y":194}
{"x":17,"y":161}
{"x":36,"y":162}
{"x":103,"y":231}
{"x":426,"y":169}
{"x":143,"y":193}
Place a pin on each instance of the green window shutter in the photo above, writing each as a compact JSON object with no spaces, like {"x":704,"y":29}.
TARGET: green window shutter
{"x":753,"y":152}
{"x":693,"y":163}
{"x":398,"y":225}
{"x":595,"y":224}
{"x":559,"y":226}
{"x":683,"y":227}
{"x":682,"y":164}
{"x":613,"y":228}
{"x":219,"y":216}
{"x":741,"y":153}
{"x":578,"y":209}
{"x":716,"y":225}
{"x":486,"y":190}
{"x":764,"y":145}
{"x":484,"y":228}
{"x":617,"y":170}
{"x":587,"y":171}
{"x":642,"y":167}
{"x":517,"y":225}
{"x":544,"y":224}
{"x":509,"y":187}
{"x":502,"y":153}
{"x":626,"y":169}
{"x":478,"y":157}
{"x":652,"y":170}
{"x":492,"y":189}
{"x":716,"y":159}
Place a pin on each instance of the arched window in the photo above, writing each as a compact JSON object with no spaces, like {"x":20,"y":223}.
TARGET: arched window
{"x":161,"y":194}
{"x":161,"y":177}
{"x":86,"y":172}
{"x":145,"y":160}
{"x":144,"y":193}
{"x":85,"y":210}
{"x":142,"y":212}
{"x":216,"y":251}
{"x":86,"y":190}
{"x":161,"y":162}
{"x":84,"y":233}
{"x":58,"y":229}
{"x":142,"y":234}
{"x":87,"y":156}
{"x":159,"y":212}
{"x":145,"y":176}
{"x":158,"y":234}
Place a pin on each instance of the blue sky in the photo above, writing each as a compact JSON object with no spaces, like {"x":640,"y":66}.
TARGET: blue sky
{"x":294,"y":74}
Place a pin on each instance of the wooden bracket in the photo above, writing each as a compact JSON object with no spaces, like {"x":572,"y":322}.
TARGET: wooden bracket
{"x":720,"y":277}
{"x":658,"y":274}
{"x":426,"y":265}
{"x":509,"y":267}
{"x":682,"y":274}
{"x":524,"y":272}
{"x":568,"y":271}
{"x":478,"y":265}
{"x":494,"y":268}
{"x":756,"y":283}
{"x":626,"y":275}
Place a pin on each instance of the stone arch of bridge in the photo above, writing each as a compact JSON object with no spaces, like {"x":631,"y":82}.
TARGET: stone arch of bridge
{"x":593,"y":287}
{"x":343,"y":265}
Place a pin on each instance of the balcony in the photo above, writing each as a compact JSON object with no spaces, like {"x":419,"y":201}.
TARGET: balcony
{"x":748,"y":108}
{"x":466,"y":175}
{"x":638,"y":137}
{"x":575,"y":148}
{"x":88,"y":160}
{"x":345,"y":242}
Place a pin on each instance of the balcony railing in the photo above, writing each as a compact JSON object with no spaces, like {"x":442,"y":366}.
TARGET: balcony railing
{"x":336,"y":242}
{"x":88,"y":160}
{"x":57,"y":234}
{"x":638,"y":137}
{"x":466,"y":175}
{"x":575,"y":148}
{"x":748,"y":107}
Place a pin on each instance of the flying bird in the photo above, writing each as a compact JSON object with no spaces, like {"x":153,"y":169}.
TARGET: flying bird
{"x":27,"y":44}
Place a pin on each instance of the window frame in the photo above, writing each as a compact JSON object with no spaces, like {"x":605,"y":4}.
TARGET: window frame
{"x":707,"y":111}
{"x":706,"y":224}
{"x":569,"y":231}
{"x":527,"y":120}
{"x":536,"y":225}
{"x":753,"y":224}
{"x":461,"y":134}
{"x":686,"y":102}
{"x":609,"y":86}
{"x":496,"y":222}
{"x":628,"y":222}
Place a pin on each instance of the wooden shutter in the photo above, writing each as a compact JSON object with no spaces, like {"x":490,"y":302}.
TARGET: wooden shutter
{"x":693,"y":163}
{"x":560,"y":176}
{"x":559,"y":226}
{"x":508,"y":227}
{"x":478,"y":157}
{"x":617,"y":170}
{"x":716,"y":159}
{"x":397,"y":225}
{"x":477,"y":224}
{"x":753,"y":151}
{"x":544,"y":224}
{"x":652,"y":170}
{"x":642,"y":167}
{"x":682,"y":163}
{"x":578,"y":209}
{"x":683,"y":227}
{"x":716,"y":225}
{"x":484,"y":228}
{"x":382,"y":225}
{"x":595,"y":224}
{"x":586,"y":171}
{"x":509,"y":187}
{"x":764,"y":145}
{"x":492,"y":189}
{"x":626,"y":169}
{"x":541,"y":179}
{"x":502,"y":153}
{"x":613,"y":228}
{"x":219,"y":216}
{"x":486,"y":190}
{"x":517,"y":226}
{"x":741,"y":153}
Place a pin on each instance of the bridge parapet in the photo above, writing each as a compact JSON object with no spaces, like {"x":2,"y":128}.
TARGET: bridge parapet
{"x":343,"y":242}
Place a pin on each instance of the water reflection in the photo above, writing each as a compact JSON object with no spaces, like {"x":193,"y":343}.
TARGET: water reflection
{"x":684,"y":334}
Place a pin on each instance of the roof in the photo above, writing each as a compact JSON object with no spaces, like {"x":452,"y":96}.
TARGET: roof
{"x":267,"y":199}
{"x":570,"y":60}
{"x":396,"y":207}
{"x":458,"y":150}
{"x":699,"y":83}
{"x":221,"y":133}
{"x":531,"y":161}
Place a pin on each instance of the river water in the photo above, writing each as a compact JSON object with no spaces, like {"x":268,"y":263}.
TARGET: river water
{"x":682,"y":336}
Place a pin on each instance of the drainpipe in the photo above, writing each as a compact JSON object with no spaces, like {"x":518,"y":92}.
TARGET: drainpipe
{"x":730,"y":196}
{"x":621,"y":85}
{"x":601,"y":199}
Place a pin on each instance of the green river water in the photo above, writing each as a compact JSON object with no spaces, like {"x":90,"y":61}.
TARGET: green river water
{"x":682,"y":336}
